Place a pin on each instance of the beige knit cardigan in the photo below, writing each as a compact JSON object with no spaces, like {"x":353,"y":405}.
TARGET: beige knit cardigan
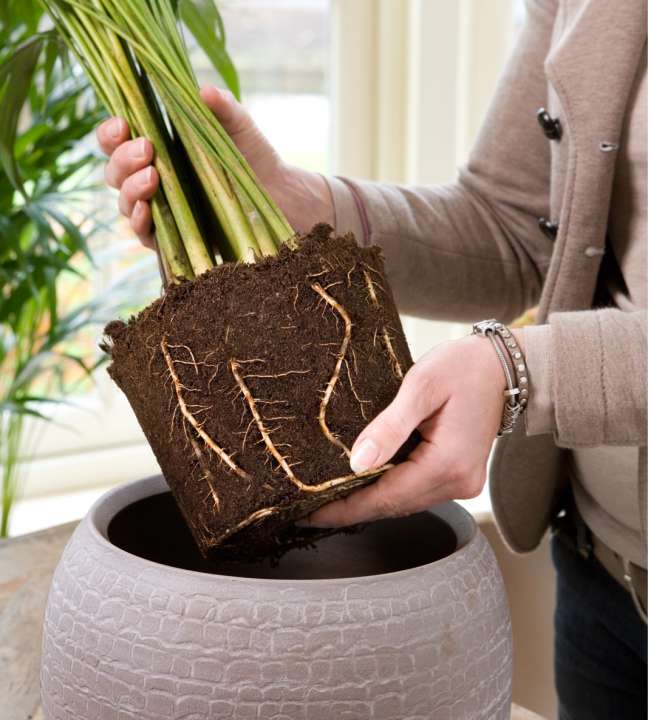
{"x":474,"y":248}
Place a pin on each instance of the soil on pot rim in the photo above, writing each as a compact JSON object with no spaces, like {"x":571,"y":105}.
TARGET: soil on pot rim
{"x":252,"y":382}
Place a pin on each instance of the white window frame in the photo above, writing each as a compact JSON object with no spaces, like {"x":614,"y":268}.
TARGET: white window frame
{"x":411,"y":80}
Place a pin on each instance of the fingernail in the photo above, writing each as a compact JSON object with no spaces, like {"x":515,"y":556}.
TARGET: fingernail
{"x":227,"y":94}
{"x":146,"y":178}
{"x":115,"y":127}
{"x":364,"y":456}
{"x":139,"y":151}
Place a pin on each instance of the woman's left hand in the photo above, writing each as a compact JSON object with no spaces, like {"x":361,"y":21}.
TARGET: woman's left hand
{"x":454,"y":397}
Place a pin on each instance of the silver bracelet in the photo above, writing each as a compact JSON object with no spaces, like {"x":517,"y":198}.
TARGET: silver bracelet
{"x":516,"y":395}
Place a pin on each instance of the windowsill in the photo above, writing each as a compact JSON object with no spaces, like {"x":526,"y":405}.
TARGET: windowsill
{"x":38,"y":513}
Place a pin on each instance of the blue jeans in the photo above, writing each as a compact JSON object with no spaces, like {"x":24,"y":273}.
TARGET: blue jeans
{"x":600,"y":642}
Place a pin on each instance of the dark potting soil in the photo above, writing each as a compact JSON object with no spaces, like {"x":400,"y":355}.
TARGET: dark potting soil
{"x":154,"y":529}
{"x":252,"y":382}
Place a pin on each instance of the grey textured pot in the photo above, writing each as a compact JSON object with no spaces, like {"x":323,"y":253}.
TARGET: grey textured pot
{"x":414,"y":626}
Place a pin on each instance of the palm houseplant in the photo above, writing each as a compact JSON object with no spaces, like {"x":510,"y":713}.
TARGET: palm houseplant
{"x":46,"y":110}
{"x":268,"y":351}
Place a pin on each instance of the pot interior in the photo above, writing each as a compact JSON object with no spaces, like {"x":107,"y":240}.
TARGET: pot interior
{"x":153,"y":528}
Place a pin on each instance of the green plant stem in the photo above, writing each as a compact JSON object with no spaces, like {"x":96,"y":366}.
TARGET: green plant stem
{"x":177,"y":263}
{"x":187,"y":227}
{"x":127,"y":44}
{"x":268,"y":245}
{"x":177,"y":84}
{"x":240,"y":238}
{"x":117,"y":84}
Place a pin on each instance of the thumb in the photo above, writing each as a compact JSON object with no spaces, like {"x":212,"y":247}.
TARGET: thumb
{"x":231,"y":114}
{"x":384,"y":435}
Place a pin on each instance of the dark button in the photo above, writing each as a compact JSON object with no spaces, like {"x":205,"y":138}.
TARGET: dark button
{"x":548,"y":228}
{"x":551,"y":127}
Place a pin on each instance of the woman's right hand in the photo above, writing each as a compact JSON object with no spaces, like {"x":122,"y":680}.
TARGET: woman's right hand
{"x":302,"y":195}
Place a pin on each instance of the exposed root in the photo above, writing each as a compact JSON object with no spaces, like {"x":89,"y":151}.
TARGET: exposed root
{"x":201,"y":409}
{"x":355,"y":360}
{"x":350,"y":273}
{"x":161,"y":305}
{"x":273,"y":424}
{"x":371,"y":287}
{"x":346,"y":479}
{"x":249,"y":362}
{"x":214,"y":376}
{"x":235,"y":368}
{"x":247,"y":432}
{"x":361,"y":402}
{"x":208,"y":476}
{"x":319,"y":274}
{"x":296,"y":289}
{"x":279,"y":375}
{"x":190,"y":418}
{"x":173,"y":417}
{"x":373,"y":269}
{"x":341,"y":355}
{"x":281,"y":459}
{"x":396,"y":366}
{"x":255,"y":517}
{"x":193,"y":362}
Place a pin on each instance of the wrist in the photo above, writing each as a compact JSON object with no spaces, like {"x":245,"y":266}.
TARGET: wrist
{"x":304,"y":197}
{"x":488,"y":364}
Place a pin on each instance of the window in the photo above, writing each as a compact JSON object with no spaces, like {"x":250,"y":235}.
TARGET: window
{"x":282,"y":49}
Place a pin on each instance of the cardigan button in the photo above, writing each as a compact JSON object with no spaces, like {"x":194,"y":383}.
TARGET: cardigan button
{"x":551,"y":127}
{"x":592,"y":252}
{"x":548,"y":228}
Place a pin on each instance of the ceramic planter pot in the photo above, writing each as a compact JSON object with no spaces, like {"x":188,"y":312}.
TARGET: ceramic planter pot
{"x":405,"y":621}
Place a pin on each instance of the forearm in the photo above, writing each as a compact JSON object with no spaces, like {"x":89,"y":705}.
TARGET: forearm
{"x":448,"y":254}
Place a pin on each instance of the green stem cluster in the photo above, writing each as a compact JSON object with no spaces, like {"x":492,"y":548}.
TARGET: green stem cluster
{"x":136,"y":58}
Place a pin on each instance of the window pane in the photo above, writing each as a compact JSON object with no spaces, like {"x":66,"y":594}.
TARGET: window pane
{"x":282,"y":51}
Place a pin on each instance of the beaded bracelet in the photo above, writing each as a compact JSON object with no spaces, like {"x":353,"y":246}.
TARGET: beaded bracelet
{"x":515,"y":370}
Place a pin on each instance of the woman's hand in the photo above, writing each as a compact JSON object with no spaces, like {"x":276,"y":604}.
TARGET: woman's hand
{"x":454,"y":397}
{"x":303,"y":196}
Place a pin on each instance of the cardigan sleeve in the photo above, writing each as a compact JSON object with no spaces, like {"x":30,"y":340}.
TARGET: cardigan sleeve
{"x":472,"y":247}
{"x":540,"y":417}
{"x":588,"y":374}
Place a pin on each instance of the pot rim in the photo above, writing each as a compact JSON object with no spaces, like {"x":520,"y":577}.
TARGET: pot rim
{"x":110,"y":503}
